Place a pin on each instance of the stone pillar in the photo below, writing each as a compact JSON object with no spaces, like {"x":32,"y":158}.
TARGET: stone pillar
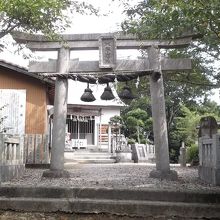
{"x":182,"y":157}
{"x":109,"y":138}
{"x":59,"y":122}
{"x":159,"y":118}
{"x":1,"y":156}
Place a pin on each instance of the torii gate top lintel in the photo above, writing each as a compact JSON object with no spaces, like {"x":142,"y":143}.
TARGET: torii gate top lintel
{"x":90,"y":41}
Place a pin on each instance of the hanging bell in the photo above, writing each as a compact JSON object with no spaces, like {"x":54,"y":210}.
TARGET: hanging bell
{"x":87,"y":96}
{"x":126,"y":93}
{"x":107,"y":94}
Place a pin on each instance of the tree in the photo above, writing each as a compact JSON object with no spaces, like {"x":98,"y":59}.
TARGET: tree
{"x":208,"y":107}
{"x":168,"y":19}
{"x":186,"y":124}
{"x":46,"y":16}
{"x":136,"y":123}
{"x":2,"y":119}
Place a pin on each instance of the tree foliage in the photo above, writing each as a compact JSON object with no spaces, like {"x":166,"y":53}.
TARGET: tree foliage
{"x":137,"y":124}
{"x":192,"y":154}
{"x":186,"y":124}
{"x":2,"y":119}
{"x":135,"y":121}
{"x":169,"y":19}
{"x":45,"y":16}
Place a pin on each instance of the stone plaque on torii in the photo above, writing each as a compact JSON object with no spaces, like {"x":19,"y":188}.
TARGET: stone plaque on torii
{"x":108,"y":65}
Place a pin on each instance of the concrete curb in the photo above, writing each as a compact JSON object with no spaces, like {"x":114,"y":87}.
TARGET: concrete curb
{"x":140,"y":203}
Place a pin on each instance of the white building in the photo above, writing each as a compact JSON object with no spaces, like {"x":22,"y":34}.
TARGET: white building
{"x":88,"y":122}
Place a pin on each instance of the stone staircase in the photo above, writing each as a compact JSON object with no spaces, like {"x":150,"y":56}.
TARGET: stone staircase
{"x":172,"y":204}
{"x":88,"y":156}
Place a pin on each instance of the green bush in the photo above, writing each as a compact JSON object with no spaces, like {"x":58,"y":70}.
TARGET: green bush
{"x":131,"y":141}
{"x":192,"y":154}
{"x":174,"y":155}
{"x":143,"y":141}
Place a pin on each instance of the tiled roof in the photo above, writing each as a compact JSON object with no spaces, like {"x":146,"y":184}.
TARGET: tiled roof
{"x":24,"y":70}
{"x":11,"y":65}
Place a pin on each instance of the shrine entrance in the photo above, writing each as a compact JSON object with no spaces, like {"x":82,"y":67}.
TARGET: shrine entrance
{"x":81,"y":131}
{"x":107,"y":69}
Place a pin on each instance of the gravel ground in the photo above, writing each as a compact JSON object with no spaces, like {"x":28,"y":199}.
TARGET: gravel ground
{"x":135,"y":176}
{"x":10,"y":215}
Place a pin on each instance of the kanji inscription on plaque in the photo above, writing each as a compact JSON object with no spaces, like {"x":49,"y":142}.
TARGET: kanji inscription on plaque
{"x":107,"y":52}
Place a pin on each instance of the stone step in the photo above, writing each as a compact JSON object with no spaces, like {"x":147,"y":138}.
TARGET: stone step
{"x":141,"y":203}
{"x":121,"y":207}
{"x":80,"y":152}
{"x":69,"y":163}
{"x":188,"y":196}
{"x":88,"y":157}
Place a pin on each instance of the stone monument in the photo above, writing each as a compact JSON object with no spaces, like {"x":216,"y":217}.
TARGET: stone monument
{"x":209,"y":151}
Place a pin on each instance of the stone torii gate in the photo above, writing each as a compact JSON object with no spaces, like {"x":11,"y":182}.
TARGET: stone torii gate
{"x":106,"y":67}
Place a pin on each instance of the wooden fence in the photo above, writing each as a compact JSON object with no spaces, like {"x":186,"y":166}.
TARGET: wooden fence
{"x":36,"y":149}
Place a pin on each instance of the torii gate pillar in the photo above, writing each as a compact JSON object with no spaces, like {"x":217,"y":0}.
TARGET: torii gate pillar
{"x":159,"y":118}
{"x":59,"y":122}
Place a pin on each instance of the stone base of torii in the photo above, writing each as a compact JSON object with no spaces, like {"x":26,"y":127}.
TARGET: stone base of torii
{"x":107,"y":45}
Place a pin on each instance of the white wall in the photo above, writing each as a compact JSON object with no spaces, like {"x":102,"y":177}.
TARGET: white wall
{"x":108,"y":113}
{"x":15,"y":105}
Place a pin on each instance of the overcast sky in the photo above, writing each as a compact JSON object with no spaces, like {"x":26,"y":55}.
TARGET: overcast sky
{"x":100,"y":24}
